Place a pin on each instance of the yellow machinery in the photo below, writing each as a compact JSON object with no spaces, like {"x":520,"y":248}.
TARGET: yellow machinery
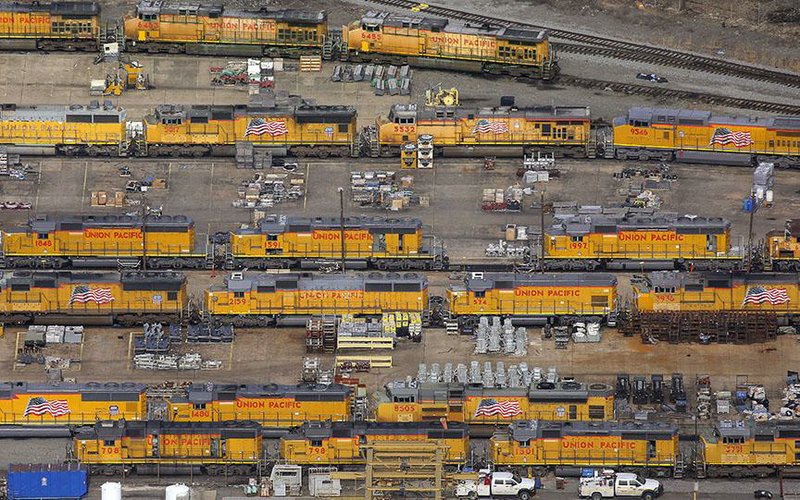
{"x":541,"y":443}
{"x":26,"y":404}
{"x":156,"y":447}
{"x":273,"y":406}
{"x":262,"y":299}
{"x":417,"y":39}
{"x":50,"y":26}
{"x":477,"y":405}
{"x":437,"y":96}
{"x":327,"y":443}
{"x":536,"y":297}
{"x":129,"y":76}
{"x":783,"y":247}
{"x":127,"y":298}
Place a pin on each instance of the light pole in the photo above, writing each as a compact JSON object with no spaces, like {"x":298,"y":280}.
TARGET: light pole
{"x":341,"y":223}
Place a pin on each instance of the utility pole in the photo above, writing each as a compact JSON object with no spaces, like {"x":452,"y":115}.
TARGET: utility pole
{"x":144,"y":232}
{"x":753,"y":208}
{"x":341,"y":223}
{"x":541,"y":229}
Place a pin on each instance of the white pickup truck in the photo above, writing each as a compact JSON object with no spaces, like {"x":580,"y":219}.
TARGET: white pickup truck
{"x":497,"y":484}
{"x":615,"y":485}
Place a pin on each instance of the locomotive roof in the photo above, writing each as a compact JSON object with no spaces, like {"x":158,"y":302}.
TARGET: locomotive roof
{"x":678,"y":280}
{"x":322,"y":430}
{"x":525,"y":430}
{"x":47,"y":223}
{"x":68,"y":8}
{"x":202,"y":393}
{"x":560,"y":391}
{"x":132,"y":280}
{"x":307,"y":281}
{"x":675,"y":116}
{"x":219,"y":10}
{"x":509,"y":281}
{"x":608,"y":222}
{"x":302,"y":110}
{"x":116,"y":429}
{"x":459,"y":113}
{"x":298,"y":224}
{"x":437,"y":25}
{"x":10,"y":389}
{"x":746,"y":430}
{"x":790,"y":228}
{"x":61,"y":113}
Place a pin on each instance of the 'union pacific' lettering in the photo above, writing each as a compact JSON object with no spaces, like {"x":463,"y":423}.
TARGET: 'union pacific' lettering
{"x":183,"y":440}
{"x":348,"y":236}
{"x":550,"y":292}
{"x":114,"y":234}
{"x":601,"y":445}
{"x":649,"y":237}
{"x":331,"y":294}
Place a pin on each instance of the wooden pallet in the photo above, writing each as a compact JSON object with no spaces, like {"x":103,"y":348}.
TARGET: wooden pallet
{"x":310,"y":63}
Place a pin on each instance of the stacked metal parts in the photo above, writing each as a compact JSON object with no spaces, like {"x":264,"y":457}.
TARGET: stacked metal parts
{"x":497,"y":375}
{"x":494,"y":337}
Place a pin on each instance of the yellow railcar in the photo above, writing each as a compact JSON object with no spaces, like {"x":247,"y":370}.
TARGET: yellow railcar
{"x":126,"y":298}
{"x":783,"y":247}
{"x":260,"y":299}
{"x":478,"y":405}
{"x":175,"y":26}
{"x":597,"y":444}
{"x":70,"y":130}
{"x":533,"y":299}
{"x":155,"y":447}
{"x":718,"y":292}
{"x":285,"y":241}
{"x":49,"y":26}
{"x":343,"y":442}
{"x":505,"y":130}
{"x":101,"y":241}
{"x":272,"y":405}
{"x":26,"y":404}
{"x":704,"y":137}
{"x":631,"y":240}
{"x":739,"y":449}
{"x":434,"y":42}
{"x":291,"y":125}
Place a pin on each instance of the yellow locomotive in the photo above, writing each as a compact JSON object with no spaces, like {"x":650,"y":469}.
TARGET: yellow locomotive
{"x":125,"y":298}
{"x":534,"y":299}
{"x":174,"y":26}
{"x":26,"y":404}
{"x":49,"y":26}
{"x":630,"y":239}
{"x":271,"y":405}
{"x":343,"y":442}
{"x":703,"y":137}
{"x":376,"y":242}
{"x":783,"y":248}
{"x":102,"y":241}
{"x":293,"y":125}
{"x":547,"y":444}
{"x":739,"y":449}
{"x":478,"y":405}
{"x":429,"y":41}
{"x":155,"y":447}
{"x":504,"y":130}
{"x":71,"y":130}
{"x":268,"y":299}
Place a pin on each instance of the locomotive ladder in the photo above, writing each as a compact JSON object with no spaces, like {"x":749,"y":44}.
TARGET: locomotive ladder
{"x":332,"y":45}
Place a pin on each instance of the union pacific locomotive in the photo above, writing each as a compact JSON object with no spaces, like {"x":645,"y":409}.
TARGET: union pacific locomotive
{"x":49,"y":26}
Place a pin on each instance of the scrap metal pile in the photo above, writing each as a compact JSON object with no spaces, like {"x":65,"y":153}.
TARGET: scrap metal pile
{"x":516,"y":375}
{"x":492,"y":337}
{"x":268,"y":190}
{"x":384,"y":189}
{"x":386,"y":80}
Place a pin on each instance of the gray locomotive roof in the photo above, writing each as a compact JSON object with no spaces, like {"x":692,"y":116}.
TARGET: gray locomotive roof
{"x":219,"y":10}
{"x":579,"y":224}
{"x":677,"y":279}
{"x":675,"y":116}
{"x":526,"y":430}
{"x":47,"y":223}
{"x":65,"y":8}
{"x":141,"y":429}
{"x":10,"y":388}
{"x":435,"y":24}
{"x":747,"y":429}
{"x":531,"y":113}
{"x":50,"y":279}
{"x":291,"y":223}
{"x":296,"y":107}
{"x":296,"y":281}
{"x":197,"y":393}
{"x":322,"y":430}
{"x":561,"y":391}
{"x":57,"y":113}
{"x":508,"y":281}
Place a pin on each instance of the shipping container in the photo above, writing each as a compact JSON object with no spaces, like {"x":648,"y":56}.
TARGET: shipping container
{"x":47,"y":481}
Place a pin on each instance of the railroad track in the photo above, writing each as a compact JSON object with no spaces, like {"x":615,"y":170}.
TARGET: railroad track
{"x":653,"y":91}
{"x":618,"y":49}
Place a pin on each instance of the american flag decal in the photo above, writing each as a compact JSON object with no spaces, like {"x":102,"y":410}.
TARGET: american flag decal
{"x":484,"y":126}
{"x":759,"y":295}
{"x":41,"y":406}
{"x":259,"y":126}
{"x":82,"y":294}
{"x":725,"y":136}
{"x":491,"y":408}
